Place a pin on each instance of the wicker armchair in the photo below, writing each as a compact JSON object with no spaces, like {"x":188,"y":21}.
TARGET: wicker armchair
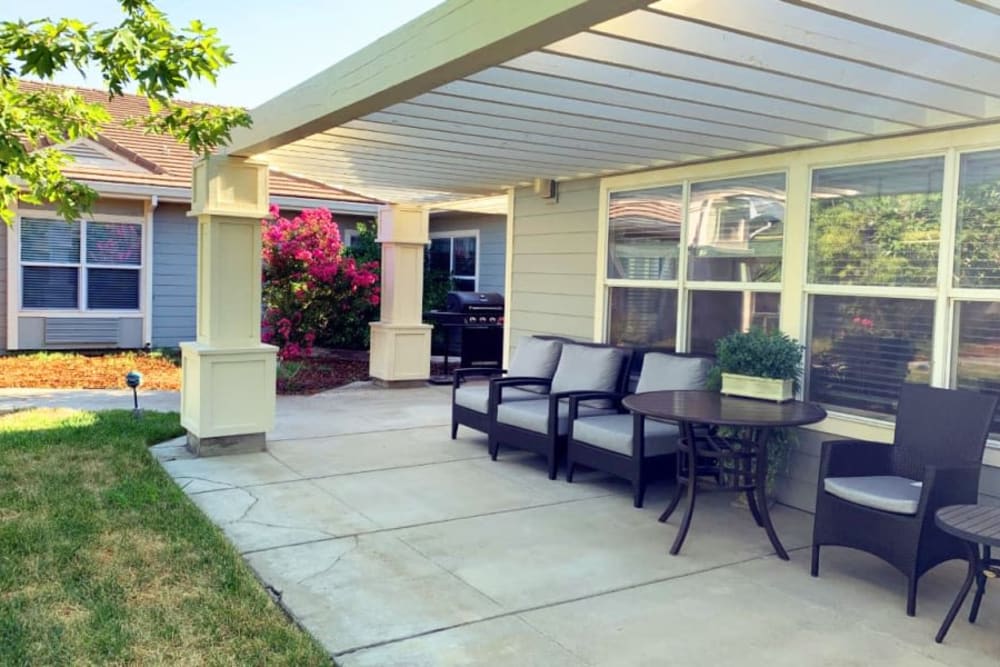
{"x":535,"y":357}
{"x":541,"y":425}
{"x":882,"y":499}
{"x":631,"y":446}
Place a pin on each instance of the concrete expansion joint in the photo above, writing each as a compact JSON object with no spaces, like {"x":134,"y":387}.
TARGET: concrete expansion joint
{"x":516,"y":613}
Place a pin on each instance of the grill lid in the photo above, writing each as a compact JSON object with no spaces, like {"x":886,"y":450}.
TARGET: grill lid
{"x":467,"y":302}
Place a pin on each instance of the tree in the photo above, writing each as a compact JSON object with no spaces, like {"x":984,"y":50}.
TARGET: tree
{"x":144,"y":50}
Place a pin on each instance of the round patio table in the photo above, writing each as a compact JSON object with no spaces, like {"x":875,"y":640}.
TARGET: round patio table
{"x":975,"y":525}
{"x":738,"y":463}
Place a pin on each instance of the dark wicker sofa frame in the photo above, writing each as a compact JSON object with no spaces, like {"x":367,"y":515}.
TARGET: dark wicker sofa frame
{"x":939,"y":439}
{"x":638,"y":469}
{"x":473,"y":418}
{"x":551,"y":445}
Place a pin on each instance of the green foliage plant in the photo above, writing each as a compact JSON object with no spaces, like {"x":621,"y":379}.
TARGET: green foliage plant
{"x":767,"y":354}
{"x":144,"y":51}
{"x":759,"y":353}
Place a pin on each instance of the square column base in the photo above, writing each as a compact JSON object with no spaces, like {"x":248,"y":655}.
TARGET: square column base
{"x":227,"y":444}
{"x":400,"y":352}
{"x":227,"y":396}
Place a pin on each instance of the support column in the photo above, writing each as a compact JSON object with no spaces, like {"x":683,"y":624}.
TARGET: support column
{"x":400,"y":342}
{"x":228,"y":382}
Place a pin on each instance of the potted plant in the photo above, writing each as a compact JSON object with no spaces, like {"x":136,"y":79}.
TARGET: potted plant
{"x":759,"y":364}
{"x":770,"y":361}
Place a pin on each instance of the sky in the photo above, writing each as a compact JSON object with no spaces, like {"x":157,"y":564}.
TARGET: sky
{"x":276,"y":43}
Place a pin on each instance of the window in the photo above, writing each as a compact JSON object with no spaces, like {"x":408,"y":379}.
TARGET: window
{"x":873,"y":226}
{"x":977,"y":350}
{"x":80,"y":265}
{"x":643,"y":316}
{"x":735,"y":234}
{"x":715,"y":314}
{"x":736,"y":229}
{"x":456,"y":256}
{"x":644,"y":232}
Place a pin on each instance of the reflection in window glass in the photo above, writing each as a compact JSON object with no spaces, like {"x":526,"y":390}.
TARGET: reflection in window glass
{"x":718,"y":314}
{"x":113,"y":289}
{"x":876,"y":224}
{"x":862,"y":349}
{"x":977,"y":243}
{"x":439,"y":256}
{"x":114,"y":243}
{"x":642,"y":316}
{"x":50,"y":241}
{"x":977,"y":357}
{"x":644,"y":231}
{"x":464,"y":249}
{"x":736,"y":229}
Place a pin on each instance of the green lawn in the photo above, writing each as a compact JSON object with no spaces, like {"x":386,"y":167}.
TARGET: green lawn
{"x":103,"y":560}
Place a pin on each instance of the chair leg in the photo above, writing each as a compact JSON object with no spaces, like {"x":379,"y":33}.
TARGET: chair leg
{"x":570,"y":469}
{"x":911,"y":594}
{"x":494,"y":448}
{"x":454,"y":429}
{"x":553,"y":466}
{"x":638,"y":492}
{"x":814,"y":568}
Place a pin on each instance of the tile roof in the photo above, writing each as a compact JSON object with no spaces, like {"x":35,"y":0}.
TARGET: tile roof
{"x":166,"y":162}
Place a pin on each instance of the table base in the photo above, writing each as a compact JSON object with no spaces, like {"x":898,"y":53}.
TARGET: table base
{"x":981,"y":568}
{"x":738,"y":464}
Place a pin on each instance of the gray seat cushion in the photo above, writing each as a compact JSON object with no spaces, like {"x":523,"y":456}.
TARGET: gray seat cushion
{"x":477,"y":396}
{"x":535,"y":357}
{"x":585,"y":368}
{"x":534,"y":415}
{"x":899,"y":495}
{"x":614,"y":433}
{"x":663,"y":372}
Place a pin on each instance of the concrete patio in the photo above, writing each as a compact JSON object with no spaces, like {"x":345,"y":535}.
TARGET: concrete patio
{"x":396,"y":546}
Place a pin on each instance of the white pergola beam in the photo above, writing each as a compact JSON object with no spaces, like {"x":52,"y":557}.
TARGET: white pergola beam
{"x":451,"y":41}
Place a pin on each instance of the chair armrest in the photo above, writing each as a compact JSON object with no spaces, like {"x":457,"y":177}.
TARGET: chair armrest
{"x":852,"y":458}
{"x":576,"y":397}
{"x":461,"y":374}
{"x":948,"y":485}
{"x":497,"y":386}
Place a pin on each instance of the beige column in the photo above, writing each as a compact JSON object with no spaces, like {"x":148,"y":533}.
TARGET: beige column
{"x":401,"y":343}
{"x":228,"y":382}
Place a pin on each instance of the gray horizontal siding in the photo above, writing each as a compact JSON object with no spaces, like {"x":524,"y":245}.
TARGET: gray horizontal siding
{"x":492,"y":244}
{"x":175,"y":266}
{"x":555,"y":261}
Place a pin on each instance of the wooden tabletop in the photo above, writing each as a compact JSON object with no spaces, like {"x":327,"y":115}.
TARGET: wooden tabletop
{"x":972,"y":523}
{"x":710,"y":407}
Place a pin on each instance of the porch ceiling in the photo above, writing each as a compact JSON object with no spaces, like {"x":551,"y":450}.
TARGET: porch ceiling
{"x":665,"y":83}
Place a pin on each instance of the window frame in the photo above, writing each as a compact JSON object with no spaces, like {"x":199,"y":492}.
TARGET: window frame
{"x":16,"y":288}
{"x":451,"y":236}
{"x":795,"y":316}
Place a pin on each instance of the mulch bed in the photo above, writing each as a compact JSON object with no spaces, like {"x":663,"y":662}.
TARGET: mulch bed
{"x":78,"y":371}
{"x":324,"y":370}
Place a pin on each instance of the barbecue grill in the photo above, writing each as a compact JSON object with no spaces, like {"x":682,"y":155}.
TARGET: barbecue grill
{"x":472,"y":326}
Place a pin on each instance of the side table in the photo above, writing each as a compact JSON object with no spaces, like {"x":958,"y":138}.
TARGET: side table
{"x":975,"y":525}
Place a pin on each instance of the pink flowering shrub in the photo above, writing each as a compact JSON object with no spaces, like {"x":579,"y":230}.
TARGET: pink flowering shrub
{"x":313,"y":293}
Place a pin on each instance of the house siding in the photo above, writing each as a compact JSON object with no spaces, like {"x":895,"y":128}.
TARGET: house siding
{"x":175,"y":269}
{"x":492,"y":244}
{"x":555,"y":261}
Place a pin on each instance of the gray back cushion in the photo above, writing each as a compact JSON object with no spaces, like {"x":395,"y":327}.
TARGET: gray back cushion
{"x":662,"y":372}
{"x":535,"y":357}
{"x":583,"y":368}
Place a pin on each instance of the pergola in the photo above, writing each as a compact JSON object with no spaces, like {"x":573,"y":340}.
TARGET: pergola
{"x":476,"y":98}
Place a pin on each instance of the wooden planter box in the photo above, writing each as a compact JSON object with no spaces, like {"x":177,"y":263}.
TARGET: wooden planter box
{"x":748,"y":386}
